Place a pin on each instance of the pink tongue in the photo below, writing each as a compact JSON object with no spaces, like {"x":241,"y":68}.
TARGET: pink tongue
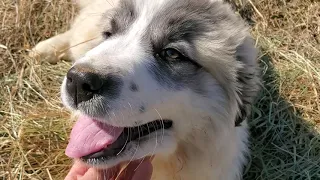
{"x":89,"y":136}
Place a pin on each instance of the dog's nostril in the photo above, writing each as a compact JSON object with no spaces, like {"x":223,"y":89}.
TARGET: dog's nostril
{"x":93,"y":87}
{"x":87,"y":87}
{"x":93,"y":83}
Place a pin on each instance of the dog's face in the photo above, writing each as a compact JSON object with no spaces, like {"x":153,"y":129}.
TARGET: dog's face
{"x":165,"y":70}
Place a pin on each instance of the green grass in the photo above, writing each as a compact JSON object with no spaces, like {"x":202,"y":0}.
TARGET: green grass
{"x":283,"y":144}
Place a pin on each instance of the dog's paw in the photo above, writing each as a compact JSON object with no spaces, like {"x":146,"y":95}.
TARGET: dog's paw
{"x":46,"y":51}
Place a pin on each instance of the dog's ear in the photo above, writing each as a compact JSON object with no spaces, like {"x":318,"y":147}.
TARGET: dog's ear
{"x":248,"y":78}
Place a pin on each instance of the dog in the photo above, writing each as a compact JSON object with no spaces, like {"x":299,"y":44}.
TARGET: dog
{"x":173,"y":79}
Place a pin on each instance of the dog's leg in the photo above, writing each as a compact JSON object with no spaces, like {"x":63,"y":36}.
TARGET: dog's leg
{"x":53,"y":49}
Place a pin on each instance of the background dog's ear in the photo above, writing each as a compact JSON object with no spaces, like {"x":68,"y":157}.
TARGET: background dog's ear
{"x":248,"y":78}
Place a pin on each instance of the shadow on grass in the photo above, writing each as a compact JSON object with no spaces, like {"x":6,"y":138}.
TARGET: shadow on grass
{"x":284,"y":146}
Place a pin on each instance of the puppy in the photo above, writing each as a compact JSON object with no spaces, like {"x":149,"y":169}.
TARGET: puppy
{"x":173,"y":79}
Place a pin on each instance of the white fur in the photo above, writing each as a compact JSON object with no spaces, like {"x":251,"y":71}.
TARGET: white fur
{"x":204,"y":143}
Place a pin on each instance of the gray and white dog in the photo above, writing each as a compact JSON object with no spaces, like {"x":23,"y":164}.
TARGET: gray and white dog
{"x":173,"y":79}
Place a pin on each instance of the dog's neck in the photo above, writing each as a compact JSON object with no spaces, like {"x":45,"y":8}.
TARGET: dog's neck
{"x":197,"y":158}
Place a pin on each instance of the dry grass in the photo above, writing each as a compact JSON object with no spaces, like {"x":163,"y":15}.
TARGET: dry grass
{"x":285,"y":121}
{"x":33,"y":127}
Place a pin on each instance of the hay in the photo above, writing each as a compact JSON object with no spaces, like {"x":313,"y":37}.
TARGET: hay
{"x":285,"y":121}
{"x":33,"y":126}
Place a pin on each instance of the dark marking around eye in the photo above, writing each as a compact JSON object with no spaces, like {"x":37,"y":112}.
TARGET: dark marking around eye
{"x":174,"y":75}
{"x":172,"y":56}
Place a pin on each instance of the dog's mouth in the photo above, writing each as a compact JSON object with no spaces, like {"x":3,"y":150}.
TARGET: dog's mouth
{"x":92,"y":140}
{"x":129,"y":134}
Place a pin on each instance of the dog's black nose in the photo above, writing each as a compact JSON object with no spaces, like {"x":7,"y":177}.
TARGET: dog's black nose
{"x":83,"y":83}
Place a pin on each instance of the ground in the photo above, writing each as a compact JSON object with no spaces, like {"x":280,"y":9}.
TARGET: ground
{"x":284,"y":125}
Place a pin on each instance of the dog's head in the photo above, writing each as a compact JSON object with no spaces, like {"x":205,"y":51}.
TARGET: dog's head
{"x":166,"y":70}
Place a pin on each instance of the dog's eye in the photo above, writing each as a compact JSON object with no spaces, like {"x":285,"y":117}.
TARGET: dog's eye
{"x":106,"y":34}
{"x":170,"y":54}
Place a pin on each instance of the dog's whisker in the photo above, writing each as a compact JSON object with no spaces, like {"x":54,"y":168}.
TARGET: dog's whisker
{"x":123,"y":117}
{"x":153,"y":152}
{"x":140,"y":163}
{"x":156,"y":144}
{"x":148,"y":131}
{"x":107,"y":110}
{"x":161,"y":119}
{"x":115,"y":119}
{"x":131,"y":108}
{"x":131,"y":160}
{"x":137,"y":148}
{"x":123,"y":120}
{"x":125,"y":144}
{"x":162,"y":135}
